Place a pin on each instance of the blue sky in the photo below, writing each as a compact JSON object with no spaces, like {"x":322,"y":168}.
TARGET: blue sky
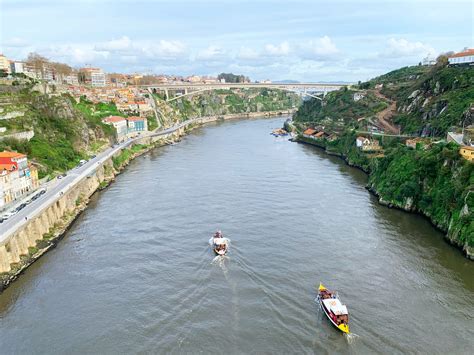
{"x":301,"y":40}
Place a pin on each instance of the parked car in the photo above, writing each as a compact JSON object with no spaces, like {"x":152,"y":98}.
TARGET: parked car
{"x":62,"y":175}
{"x":92,"y":157}
{"x":9,"y":214}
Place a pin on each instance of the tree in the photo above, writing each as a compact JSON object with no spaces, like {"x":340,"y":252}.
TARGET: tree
{"x":442,"y":59}
{"x":233,"y":78}
{"x":37,"y":62}
{"x":61,"y":70}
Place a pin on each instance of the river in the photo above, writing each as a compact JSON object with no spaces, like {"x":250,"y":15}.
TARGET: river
{"x":135,"y":273}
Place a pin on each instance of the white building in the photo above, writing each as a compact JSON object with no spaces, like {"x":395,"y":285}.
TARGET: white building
{"x":98,"y":78}
{"x":464,"y":57}
{"x":17,"y":67}
{"x":429,"y":61}
{"x":71,"y":79}
{"x":120,"y":124}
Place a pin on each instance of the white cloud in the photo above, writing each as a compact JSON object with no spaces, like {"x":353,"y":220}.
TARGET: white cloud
{"x":246,"y":53}
{"x":171,"y":48}
{"x":212,"y":52}
{"x":76,"y":55}
{"x":278,"y":50}
{"x":404,"y":48}
{"x":15,"y":42}
{"x":319,"y":48}
{"x":162,"y":49}
{"x":116,"y":45}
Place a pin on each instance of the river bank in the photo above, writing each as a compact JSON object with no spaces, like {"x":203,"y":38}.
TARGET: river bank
{"x":25,"y":247}
{"x":450,"y":229}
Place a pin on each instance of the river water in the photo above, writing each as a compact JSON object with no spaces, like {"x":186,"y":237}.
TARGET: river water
{"x":135,"y":273}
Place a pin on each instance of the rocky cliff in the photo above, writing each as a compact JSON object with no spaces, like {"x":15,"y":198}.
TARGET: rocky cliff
{"x":62,"y":133}
{"x":433,"y":180}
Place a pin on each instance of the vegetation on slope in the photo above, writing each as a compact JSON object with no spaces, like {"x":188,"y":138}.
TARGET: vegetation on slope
{"x":339,"y":107}
{"x":435,"y":181}
{"x":221,"y":102}
{"x":63,"y":132}
{"x":431,"y":99}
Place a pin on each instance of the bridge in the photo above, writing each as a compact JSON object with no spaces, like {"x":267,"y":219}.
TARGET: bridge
{"x":186,"y":89}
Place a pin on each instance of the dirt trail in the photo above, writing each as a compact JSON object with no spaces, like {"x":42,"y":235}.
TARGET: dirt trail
{"x":384,"y":117}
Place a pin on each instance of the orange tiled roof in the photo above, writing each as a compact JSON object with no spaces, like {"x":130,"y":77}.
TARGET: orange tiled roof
{"x":319,"y":134}
{"x":6,"y":154}
{"x":309,"y":131}
{"x":467,"y":147}
{"x":465,"y":53}
{"x":8,"y":167}
{"x":113,"y":119}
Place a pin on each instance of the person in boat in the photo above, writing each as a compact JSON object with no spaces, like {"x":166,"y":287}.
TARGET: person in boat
{"x":342,"y":319}
{"x":326,"y":294}
{"x":218,"y":234}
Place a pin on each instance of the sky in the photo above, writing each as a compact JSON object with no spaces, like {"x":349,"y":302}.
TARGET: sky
{"x":310,"y":40}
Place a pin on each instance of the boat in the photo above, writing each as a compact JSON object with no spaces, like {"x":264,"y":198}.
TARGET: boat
{"x":333,"y":308}
{"x":279,"y":132}
{"x":219,"y":244}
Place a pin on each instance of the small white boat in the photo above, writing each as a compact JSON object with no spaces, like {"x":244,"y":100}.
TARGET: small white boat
{"x":219,"y":244}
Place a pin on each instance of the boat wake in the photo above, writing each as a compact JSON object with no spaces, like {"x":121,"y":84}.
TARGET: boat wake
{"x":351,"y":337}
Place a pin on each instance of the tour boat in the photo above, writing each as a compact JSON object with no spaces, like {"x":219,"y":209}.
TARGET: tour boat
{"x":219,"y":245}
{"x":279,"y":132}
{"x":333,"y":308}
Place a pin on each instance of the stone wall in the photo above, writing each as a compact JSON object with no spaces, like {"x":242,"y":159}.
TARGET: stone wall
{"x":52,"y":220}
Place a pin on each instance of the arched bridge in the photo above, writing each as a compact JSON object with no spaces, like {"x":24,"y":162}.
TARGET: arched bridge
{"x":186,"y":89}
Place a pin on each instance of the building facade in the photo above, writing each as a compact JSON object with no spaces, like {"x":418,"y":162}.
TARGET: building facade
{"x":464,"y":57}
{"x":137,"y":124}
{"x":17,"y":67}
{"x":16,"y":176}
{"x":4,"y":64}
{"x":120,"y":124}
{"x":467,"y":153}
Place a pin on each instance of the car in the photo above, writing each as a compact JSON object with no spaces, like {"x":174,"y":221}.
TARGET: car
{"x":2,"y":219}
{"x":42,"y":192}
{"x":9,"y":214}
{"x":62,"y":175}
{"x":92,"y":157}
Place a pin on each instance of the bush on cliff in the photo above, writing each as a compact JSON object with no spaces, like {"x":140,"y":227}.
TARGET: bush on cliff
{"x":436,"y":181}
{"x":339,"y":105}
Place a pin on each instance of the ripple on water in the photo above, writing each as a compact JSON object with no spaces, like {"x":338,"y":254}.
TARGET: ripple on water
{"x":135,"y":274}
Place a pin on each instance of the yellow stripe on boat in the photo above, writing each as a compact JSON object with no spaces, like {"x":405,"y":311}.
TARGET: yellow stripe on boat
{"x":344,"y":328}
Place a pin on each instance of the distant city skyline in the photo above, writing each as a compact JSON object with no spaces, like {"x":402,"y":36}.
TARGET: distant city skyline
{"x":276,"y":40}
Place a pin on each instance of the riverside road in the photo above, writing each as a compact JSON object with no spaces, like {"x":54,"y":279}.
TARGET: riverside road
{"x":54,"y":191}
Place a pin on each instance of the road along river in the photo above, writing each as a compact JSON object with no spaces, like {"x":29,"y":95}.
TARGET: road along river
{"x":135,"y":274}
